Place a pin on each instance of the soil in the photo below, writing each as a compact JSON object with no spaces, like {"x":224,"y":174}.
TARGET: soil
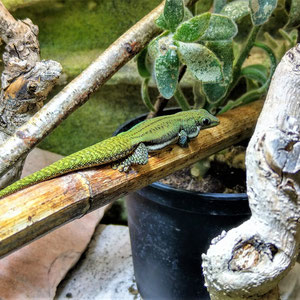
{"x":225,"y":175}
{"x":220,"y":178}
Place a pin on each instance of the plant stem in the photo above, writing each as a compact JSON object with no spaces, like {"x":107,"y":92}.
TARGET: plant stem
{"x":145,"y":94}
{"x":199,"y":99}
{"x":286,"y":37}
{"x":254,"y":94}
{"x":272,"y":57}
{"x":248,"y":46}
{"x":181,"y":99}
{"x":241,"y":59}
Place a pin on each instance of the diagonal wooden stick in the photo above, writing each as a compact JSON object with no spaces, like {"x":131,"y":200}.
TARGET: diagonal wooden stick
{"x":77,"y":91}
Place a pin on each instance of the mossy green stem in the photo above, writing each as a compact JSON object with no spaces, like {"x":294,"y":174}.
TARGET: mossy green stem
{"x":181,"y":99}
{"x":257,"y":93}
{"x":241,"y":59}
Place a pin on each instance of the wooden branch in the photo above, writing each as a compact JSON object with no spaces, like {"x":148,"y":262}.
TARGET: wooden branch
{"x":248,"y":261}
{"x":77,"y":91}
{"x":30,"y":213}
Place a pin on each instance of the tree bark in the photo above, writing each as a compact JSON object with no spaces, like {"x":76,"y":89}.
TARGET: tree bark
{"x":250,"y":260}
{"x":26,"y":81}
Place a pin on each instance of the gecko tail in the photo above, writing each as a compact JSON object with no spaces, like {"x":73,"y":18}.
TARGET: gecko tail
{"x":60,"y":167}
{"x":23,"y":183}
{"x":101,"y":153}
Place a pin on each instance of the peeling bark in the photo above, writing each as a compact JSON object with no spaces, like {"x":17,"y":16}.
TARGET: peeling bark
{"x":249,"y":261}
{"x":26,"y":81}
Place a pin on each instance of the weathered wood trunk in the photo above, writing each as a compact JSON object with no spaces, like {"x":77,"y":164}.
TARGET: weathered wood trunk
{"x":249,"y":261}
{"x":26,"y":82}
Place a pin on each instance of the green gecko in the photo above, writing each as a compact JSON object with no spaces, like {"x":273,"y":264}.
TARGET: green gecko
{"x":126,"y":148}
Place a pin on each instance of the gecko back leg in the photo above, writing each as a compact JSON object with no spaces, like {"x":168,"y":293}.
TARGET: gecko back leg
{"x":138,"y":157}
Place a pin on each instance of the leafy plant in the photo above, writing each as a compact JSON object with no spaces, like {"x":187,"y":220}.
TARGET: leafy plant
{"x":213,"y":48}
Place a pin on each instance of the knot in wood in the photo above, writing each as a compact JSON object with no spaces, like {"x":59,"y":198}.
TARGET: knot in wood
{"x":293,"y":57}
{"x":282,"y":151}
{"x":248,"y":254}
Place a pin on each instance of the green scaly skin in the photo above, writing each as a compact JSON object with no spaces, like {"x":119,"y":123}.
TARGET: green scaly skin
{"x":127,"y":148}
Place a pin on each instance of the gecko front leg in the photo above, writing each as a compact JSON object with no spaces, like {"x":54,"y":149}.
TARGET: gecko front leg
{"x":184,"y":135}
{"x":138,"y":157}
{"x":183,"y":139}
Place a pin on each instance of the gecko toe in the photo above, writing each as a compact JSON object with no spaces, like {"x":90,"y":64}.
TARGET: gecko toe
{"x":115,"y":166}
{"x":126,"y":169}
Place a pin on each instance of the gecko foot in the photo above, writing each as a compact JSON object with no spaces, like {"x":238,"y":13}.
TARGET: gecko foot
{"x":115,"y":165}
{"x":138,"y":157}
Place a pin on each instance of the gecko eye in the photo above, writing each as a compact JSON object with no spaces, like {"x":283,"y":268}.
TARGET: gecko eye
{"x":205,"y":122}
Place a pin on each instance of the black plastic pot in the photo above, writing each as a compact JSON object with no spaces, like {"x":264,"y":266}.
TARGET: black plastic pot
{"x":170,"y":229}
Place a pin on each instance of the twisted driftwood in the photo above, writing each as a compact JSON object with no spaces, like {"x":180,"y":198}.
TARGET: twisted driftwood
{"x":26,"y":82}
{"x":249,"y":261}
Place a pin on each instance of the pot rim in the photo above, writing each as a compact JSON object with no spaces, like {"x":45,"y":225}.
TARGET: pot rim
{"x":233,"y":196}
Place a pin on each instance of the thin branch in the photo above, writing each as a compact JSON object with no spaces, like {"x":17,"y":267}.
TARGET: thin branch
{"x":242,"y":57}
{"x":77,"y":91}
{"x":44,"y":206}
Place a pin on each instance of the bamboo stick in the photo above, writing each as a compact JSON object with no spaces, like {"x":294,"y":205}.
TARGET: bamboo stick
{"x":28,"y":214}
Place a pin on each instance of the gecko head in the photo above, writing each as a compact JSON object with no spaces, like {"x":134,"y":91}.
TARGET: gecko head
{"x":204,"y":119}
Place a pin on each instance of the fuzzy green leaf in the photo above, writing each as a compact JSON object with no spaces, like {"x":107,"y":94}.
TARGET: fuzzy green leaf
{"x":214,"y":92}
{"x":161,"y":22}
{"x":220,"y":28}
{"x":141,"y":64}
{"x":291,"y":37}
{"x":218,"y":5}
{"x":236,"y":10}
{"x":156,"y":45}
{"x":166,"y":73}
{"x":193,"y":29}
{"x":224,"y":51}
{"x":294,"y":15}
{"x":294,"y":36}
{"x":202,"y":62}
{"x":187,"y":14}
{"x":153,"y":48}
{"x":261,"y":10}
{"x":173,"y":13}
